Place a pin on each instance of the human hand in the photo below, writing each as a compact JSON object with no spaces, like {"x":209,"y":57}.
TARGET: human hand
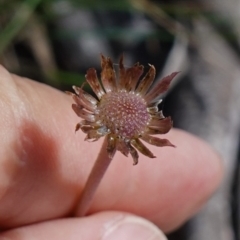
{"x":44,"y":165}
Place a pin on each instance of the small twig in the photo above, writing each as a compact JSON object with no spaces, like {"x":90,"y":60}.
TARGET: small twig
{"x":100,"y":166}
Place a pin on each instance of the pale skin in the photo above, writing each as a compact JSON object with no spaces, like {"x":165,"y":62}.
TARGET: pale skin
{"x":44,"y":165}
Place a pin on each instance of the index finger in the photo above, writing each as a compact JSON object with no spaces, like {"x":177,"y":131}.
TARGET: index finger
{"x":44,"y":165}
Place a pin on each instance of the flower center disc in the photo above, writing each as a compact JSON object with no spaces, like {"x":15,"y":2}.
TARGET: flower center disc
{"x":123,"y":113}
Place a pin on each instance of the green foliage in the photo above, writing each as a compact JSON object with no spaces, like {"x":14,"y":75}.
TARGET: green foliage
{"x":21,"y":16}
{"x":15,"y":16}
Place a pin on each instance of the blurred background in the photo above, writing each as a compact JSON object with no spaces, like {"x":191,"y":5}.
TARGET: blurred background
{"x":56,"y":41}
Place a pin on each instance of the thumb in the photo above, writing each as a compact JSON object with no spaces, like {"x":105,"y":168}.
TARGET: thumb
{"x":130,"y":227}
{"x":104,"y":226}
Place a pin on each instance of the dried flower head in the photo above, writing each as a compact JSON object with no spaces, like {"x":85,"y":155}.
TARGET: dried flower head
{"x":124,"y":110}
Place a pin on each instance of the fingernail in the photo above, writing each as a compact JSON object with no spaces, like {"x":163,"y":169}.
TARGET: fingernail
{"x":129,"y":228}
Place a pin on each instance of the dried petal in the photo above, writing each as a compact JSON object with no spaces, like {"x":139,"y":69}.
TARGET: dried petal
{"x":158,"y":115}
{"x":83,"y":113}
{"x":156,"y":141}
{"x":153,"y":108}
{"x":122,"y":73}
{"x":122,"y":147}
{"x":86,"y":123}
{"x":93,"y":81}
{"x":95,"y":134}
{"x":78,"y":126}
{"x":142,"y":148}
{"x":69,"y":93}
{"x":163,"y":125}
{"x":133,"y":153}
{"x":160,"y":88}
{"x":154,"y":131}
{"x":128,"y":79}
{"x":111,"y":147}
{"x":108,"y":75}
{"x":86,"y":129}
{"x":87,"y":97}
{"x":132,"y":76}
{"x":84,"y":104}
{"x":147,"y":81}
{"x":93,"y":125}
{"x":92,"y":135}
{"x":154,"y":104}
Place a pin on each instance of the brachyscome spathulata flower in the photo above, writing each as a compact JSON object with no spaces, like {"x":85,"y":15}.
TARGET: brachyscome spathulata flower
{"x":124,"y":110}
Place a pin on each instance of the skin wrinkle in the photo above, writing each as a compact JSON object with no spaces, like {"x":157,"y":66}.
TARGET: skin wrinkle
{"x":24,"y":99}
{"x":108,"y":226}
{"x":14,"y":98}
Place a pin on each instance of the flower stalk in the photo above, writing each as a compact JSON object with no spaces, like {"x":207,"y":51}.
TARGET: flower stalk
{"x":100,"y":166}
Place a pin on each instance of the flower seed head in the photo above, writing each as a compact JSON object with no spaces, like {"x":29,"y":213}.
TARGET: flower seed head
{"x":125,"y":110}
{"x":124,"y":114}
